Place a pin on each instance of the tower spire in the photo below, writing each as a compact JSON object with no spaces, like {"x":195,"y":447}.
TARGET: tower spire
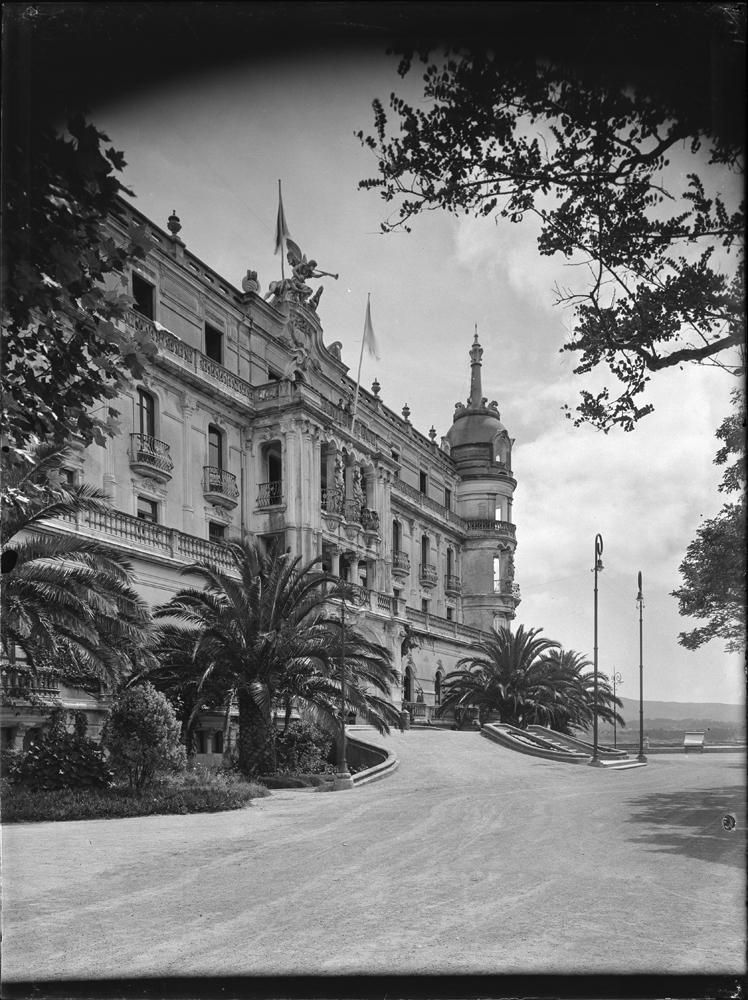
{"x":476,"y":388}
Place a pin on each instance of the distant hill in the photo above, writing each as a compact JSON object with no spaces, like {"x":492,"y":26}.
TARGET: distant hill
{"x":683,"y":711}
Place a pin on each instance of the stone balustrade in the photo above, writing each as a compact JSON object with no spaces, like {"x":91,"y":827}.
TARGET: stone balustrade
{"x":485,"y":526}
{"x":426,"y":503}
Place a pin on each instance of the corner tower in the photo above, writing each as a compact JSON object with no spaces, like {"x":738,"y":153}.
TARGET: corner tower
{"x":481,"y":450}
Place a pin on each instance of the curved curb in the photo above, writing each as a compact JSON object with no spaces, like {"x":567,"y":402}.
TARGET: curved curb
{"x":377,"y":771}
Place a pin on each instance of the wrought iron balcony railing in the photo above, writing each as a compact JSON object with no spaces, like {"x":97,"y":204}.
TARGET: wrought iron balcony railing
{"x":401,"y":562}
{"x":219,"y":481}
{"x":270,"y":494}
{"x":147,"y":450}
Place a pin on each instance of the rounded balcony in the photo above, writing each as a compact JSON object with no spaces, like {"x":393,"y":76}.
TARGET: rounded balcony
{"x":219,"y":487}
{"x":150,"y":457}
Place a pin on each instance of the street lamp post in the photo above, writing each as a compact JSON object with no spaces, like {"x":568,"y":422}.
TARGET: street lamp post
{"x":640,"y":602}
{"x":617,"y":680}
{"x":343,"y":777}
{"x":597,"y":569}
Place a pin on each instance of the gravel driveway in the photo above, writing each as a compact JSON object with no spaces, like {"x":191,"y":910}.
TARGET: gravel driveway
{"x":468,"y":859}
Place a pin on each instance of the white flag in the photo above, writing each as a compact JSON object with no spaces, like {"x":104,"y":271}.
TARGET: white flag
{"x":370,"y":340}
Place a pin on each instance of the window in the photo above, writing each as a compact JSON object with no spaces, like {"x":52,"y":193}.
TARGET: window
{"x":146,"y":414}
{"x":447,"y":498}
{"x":396,"y":458}
{"x":425,"y":550}
{"x":498,"y":512}
{"x":215,"y":447}
{"x":496,"y":574}
{"x":450,"y":614}
{"x":69,"y":478}
{"x":216,"y":532}
{"x":142,"y":292}
{"x":213,"y":343}
{"x":424,"y":605}
{"x":450,"y":562}
{"x":423,"y":482}
{"x":395,"y":537}
{"x":218,"y":741}
{"x":147,"y":510}
{"x":396,"y":593}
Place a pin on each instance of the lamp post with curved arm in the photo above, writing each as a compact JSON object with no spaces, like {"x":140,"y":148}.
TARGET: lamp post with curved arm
{"x":595,"y":761}
{"x":343,"y":777}
{"x":640,"y":602}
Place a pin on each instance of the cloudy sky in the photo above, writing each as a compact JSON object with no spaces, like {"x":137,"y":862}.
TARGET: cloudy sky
{"x":213,"y":146}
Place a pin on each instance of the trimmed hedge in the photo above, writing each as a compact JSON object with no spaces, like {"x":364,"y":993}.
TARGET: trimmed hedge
{"x":191,"y":792}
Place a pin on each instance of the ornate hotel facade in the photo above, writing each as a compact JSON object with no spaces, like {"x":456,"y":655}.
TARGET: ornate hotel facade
{"x":243,"y":423}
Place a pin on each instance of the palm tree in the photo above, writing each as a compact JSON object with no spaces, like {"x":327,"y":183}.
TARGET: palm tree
{"x":505,"y":674}
{"x":576,"y":672}
{"x":67,"y":603}
{"x":268,"y":635}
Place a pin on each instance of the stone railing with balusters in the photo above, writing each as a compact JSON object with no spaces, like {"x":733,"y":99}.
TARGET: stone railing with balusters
{"x":147,"y":450}
{"x":426,"y":503}
{"x":190,"y":358}
{"x":18,"y":682}
{"x":487,"y":526}
{"x":270,"y":494}
{"x":428,"y":575}
{"x":452,"y":584}
{"x":138,"y":534}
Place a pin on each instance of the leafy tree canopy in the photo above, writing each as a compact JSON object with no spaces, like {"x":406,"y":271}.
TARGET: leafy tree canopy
{"x":66,"y":353}
{"x":714,"y":569}
{"x":588,"y":153}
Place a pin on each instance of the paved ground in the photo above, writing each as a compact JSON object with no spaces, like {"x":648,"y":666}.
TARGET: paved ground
{"x":468,"y":859}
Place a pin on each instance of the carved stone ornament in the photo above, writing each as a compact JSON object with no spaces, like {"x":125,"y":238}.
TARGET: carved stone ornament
{"x":152,"y":485}
{"x":217,"y":513}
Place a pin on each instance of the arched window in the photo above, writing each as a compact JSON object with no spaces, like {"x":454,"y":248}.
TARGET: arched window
{"x":146,"y":414}
{"x":496,"y":574}
{"x":215,"y":447}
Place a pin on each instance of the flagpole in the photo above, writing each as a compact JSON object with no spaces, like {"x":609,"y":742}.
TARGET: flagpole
{"x":358,"y":377}
{"x":283,"y":235}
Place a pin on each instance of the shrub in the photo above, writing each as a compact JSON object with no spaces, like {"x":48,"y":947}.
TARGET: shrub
{"x":61,"y":760}
{"x":178,"y":793}
{"x":303,"y":749}
{"x":141,"y":734}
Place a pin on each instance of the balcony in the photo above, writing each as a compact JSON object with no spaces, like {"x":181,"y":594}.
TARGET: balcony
{"x":485,"y":526}
{"x":270,"y":494}
{"x":400,"y":564}
{"x":425,"y":503}
{"x":219,"y":487}
{"x":151,"y":457}
{"x":21,"y":683}
{"x":452,"y":585}
{"x":428,"y":575}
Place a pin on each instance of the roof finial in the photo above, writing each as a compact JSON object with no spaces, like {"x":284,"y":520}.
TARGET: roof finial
{"x":476,"y":389}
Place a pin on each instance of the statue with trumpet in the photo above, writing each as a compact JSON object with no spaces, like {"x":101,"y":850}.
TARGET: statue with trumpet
{"x":296,"y":286}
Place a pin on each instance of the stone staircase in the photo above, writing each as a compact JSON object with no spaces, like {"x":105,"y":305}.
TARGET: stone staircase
{"x":538,"y":741}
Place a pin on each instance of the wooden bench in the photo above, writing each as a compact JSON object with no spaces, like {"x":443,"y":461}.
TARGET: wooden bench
{"x":693,"y":741}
